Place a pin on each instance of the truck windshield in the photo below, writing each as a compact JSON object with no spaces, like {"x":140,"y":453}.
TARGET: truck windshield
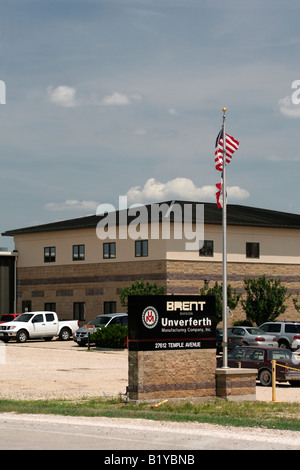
{"x":24,"y":317}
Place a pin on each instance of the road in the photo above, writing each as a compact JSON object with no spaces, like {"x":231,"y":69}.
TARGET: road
{"x":42,"y":432}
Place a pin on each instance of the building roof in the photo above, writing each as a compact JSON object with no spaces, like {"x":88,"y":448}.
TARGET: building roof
{"x":237,"y":215}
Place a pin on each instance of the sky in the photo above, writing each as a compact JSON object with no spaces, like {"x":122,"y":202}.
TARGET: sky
{"x":110,"y":98}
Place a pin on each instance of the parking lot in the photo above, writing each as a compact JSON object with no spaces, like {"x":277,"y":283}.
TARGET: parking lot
{"x":56,"y":369}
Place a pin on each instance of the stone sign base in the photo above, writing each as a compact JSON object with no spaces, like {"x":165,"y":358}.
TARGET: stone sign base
{"x":177,"y":374}
{"x":236,"y":384}
{"x":171,"y":374}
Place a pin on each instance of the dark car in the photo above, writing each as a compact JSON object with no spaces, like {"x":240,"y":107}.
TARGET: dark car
{"x":231,"y":342}
{"x":260,"y":358}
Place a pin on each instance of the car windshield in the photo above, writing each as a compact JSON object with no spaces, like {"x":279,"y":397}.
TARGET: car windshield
{"x":25,"y":317}
{"x":99,"y":321}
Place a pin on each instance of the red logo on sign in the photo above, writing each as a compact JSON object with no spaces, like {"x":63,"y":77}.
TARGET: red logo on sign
{"x":150,"y":317}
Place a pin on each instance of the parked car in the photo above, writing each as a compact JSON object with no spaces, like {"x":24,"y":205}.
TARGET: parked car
{"x":286,"y":332}
{"x":231,"y":342}
{"x":7,"y":317}
{"x":252,"y":336}
{"x":81,"y":335}
{"x":260,"y":358}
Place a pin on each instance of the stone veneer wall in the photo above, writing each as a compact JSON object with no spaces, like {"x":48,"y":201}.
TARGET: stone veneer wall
{"x":186,"y":277}
{"x":171,"y":374}
{"x":98,"y":282}
{"x":90,"y":283}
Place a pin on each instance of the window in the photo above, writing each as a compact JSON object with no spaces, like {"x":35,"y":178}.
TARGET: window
{"x":26,"y":305}
{"x":109,"y":250}
{"x":50,"y":306}
{"x":271,"y":327}
{"x":38,"y":318}
{"x":119,"y":321}
{"x":50,"y":317}
{"x":252,"y":250}
{"x":238,"y":331}
{"x":255,"y":355}
{"x":207,"y":248}
{"x":292,"y":328}
{"x":141,"y":248}
{"x":110,"y":307}
{"x":49,"y":254}
{"x":78,"y":252}
{"x":79,"y":311}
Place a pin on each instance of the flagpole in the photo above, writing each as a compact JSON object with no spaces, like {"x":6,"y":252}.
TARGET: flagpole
{"x":224,"y":225}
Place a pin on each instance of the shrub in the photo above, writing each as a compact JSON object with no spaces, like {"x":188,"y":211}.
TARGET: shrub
{"x":114,"y":336}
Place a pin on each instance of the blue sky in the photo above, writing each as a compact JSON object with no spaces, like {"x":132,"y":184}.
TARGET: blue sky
{"x":124,"y":97}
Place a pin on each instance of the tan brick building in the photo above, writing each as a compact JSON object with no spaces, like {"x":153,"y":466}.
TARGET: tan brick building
{"x":65,"y":266}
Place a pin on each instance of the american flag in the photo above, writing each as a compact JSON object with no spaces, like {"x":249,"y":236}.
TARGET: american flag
{"x":231,"y":146}
{"x":219,"y":193}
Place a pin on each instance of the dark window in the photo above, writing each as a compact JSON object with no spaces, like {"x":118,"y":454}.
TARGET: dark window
{"x":49,"y":254}
{"x":119,"y":321}
{"x":79,"y":311}
{"x":207,"y":248}
{"x":78,"y":252}
{"x":38,"y":318}
{"x":110,"y":307}
{"x":49,"y":317}
{"x":50,"y":306}
{"x":271,"y":328}
{"x":292,"y":328}
{"x":109,"y":250}
{"x":26,"y":305}
{"x":252,"y":250}
{"x":141,"y":248}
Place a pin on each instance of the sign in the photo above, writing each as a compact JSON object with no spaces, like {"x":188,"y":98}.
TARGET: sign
{"x":161,"y":322}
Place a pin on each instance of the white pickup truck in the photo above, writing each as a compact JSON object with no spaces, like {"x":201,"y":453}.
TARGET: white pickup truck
{"x":37,"y":325}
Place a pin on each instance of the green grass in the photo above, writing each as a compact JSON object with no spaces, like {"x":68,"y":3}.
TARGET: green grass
{"x":249,"y":414}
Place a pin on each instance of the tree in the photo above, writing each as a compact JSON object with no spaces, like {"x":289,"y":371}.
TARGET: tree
{"x":140,"y":288}
{"x":217,"y":290}
{"x":264,"y":299}
{"x":296,"y":302}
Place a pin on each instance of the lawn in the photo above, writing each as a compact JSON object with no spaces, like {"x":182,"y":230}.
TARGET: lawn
{"x":218,"y":411}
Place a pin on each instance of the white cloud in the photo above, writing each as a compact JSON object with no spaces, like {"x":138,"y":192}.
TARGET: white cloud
{"x":72,"y":204}
{"x":180,"y":188}
{"x":67,"y":96}
{"x":116,"y":99}
{"x":119,"y":99}
{"x":288,"y":108}
{"x":63,"y":96}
